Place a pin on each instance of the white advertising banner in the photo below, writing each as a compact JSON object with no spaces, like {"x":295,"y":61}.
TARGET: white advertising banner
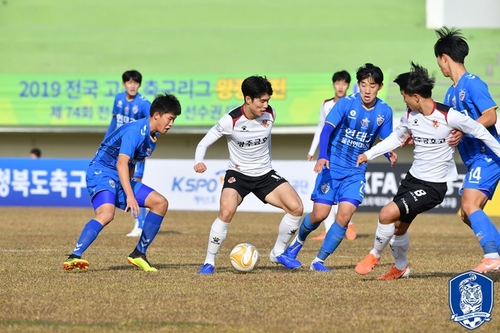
{"x":187,"y":190}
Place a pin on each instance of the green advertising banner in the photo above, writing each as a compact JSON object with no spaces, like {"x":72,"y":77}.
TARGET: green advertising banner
{"x":87,"y":100}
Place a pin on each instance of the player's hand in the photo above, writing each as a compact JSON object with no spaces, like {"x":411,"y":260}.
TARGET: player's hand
{"x":310,"y":157}
{"x":407,"y":141}
{"x":455,"y":137}
{"x":362,"y":159}
{"x":200,"y":167}
{"x":393,"y":157}
{"x":320,"y":164}
{"x":132,"y":206}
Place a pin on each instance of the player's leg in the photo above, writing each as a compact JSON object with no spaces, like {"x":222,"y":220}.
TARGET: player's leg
{"x":139,"y":220}
{"x":285,"y":197}
{"x":335,"y":234}
{"x":158,"y":206}
{"x":479,"y":185}
{"x":104,"y":207}
{"x":229,"y":202}
{"x":327,"y":222}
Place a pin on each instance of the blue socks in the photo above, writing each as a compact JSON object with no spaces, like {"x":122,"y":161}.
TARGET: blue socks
{"x":485,"y":231}
{"x":151,"y":227}
{"x":333,"y":238}
{"x":306,"y":227}
{"x":88,"y":235}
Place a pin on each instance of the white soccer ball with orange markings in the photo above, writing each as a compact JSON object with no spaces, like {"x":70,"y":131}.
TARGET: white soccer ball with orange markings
{"x":244,"y":257}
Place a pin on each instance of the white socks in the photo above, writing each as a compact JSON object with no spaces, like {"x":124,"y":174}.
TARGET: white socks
{"x":218,"y":234}
{"x":287,"y":229}
{"x":383,"y":235}
{"x":399,"y":249}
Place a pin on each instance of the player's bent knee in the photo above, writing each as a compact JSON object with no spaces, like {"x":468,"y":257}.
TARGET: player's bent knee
{"x":105,"y":217}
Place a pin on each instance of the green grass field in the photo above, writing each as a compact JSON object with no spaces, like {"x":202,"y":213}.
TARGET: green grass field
{"x":223,"y":36}
{"x":37,"y":295}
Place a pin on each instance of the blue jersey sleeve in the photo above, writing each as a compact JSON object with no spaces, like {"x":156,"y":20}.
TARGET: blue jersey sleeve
{"x":336,"y":114}
{"x":480,"y":96}
{"x":131,"y":141}
{"x":386,"y":128}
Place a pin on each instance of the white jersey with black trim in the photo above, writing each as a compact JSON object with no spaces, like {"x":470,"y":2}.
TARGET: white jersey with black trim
{"x":248,"y":141}
{"x":432,"y":156}
{"x":325,"y":109}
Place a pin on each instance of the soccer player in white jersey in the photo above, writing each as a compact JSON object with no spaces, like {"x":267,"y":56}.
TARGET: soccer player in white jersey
{"x":340,"y":81}
{"x":469,"y":95}
{"x":248,"y":132}
{"x":430,"y":125}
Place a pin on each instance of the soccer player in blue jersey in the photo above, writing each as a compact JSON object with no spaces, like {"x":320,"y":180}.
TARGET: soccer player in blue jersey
{"x":469,"y":95}
{"x":110,"y":184}
{"x":129,"y":106}
{"x":350,"y":129}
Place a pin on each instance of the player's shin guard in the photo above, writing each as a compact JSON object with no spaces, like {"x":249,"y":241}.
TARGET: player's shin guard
{"x":399,"y":249}
{"x":87,"y":237}
{"x":306,"y":227}
{"x":383,"y":235}
{"x":484,"y":230}
{"x":287,"y":228}
{"x":217,"y":236}
{"x":333,"y":238}
{"x":151,"y":227}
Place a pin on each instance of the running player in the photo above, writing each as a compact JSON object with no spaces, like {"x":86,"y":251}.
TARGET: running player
{"x":351,"y":128}
{"x":469,"y":95}
{"x":430,"y":124}
{"x":341,"y":81}
{"x":110,"y":184}
{"x":130,"y":106}
{"x":248,"y":132}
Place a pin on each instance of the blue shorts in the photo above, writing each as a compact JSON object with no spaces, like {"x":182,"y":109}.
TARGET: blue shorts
{"x":99,"y":180}
{"x":482,"y":175}
{"x":139,"y":170}
{"x":334,"y":186}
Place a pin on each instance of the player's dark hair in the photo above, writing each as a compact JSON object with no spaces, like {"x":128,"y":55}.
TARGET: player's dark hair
{"x":341,"y":76}
{"x":132,"y":75}
{"x":165,"y":103}
{"x":402,"y":80}
{"x":37,"y":152}
{"x":452,"y":43}
{"x":417,"y":81}
{"x":370,"y":70}
{"x":256,"y":86}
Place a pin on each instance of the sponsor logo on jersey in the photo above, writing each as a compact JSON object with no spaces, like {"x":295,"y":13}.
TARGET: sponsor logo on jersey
{"x":471,"y":299}
{"x":352,"y":114}
{"x":454,"y":102}
{"x":125,"y":110}
{"x":365,"y":122}
{"x":120,"y":104}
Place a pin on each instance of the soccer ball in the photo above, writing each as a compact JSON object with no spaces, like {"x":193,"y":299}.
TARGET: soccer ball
{"x":244,"y":257}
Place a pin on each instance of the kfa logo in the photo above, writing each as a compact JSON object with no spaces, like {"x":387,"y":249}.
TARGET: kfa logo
{"x":471,"y":299}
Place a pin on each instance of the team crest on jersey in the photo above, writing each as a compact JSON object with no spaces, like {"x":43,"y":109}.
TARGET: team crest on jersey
{"x":325,"y":187}
{"x":135,"y":109}
{"x":265,"y":123}
{"x":380,"y":119}
{"x":231,"y":180}
{"x":112,"y":183}
{"x":471,"y":299}
{"x":365,"y":122}
{"x":461,"y":95}
{"x":435,"y":123}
